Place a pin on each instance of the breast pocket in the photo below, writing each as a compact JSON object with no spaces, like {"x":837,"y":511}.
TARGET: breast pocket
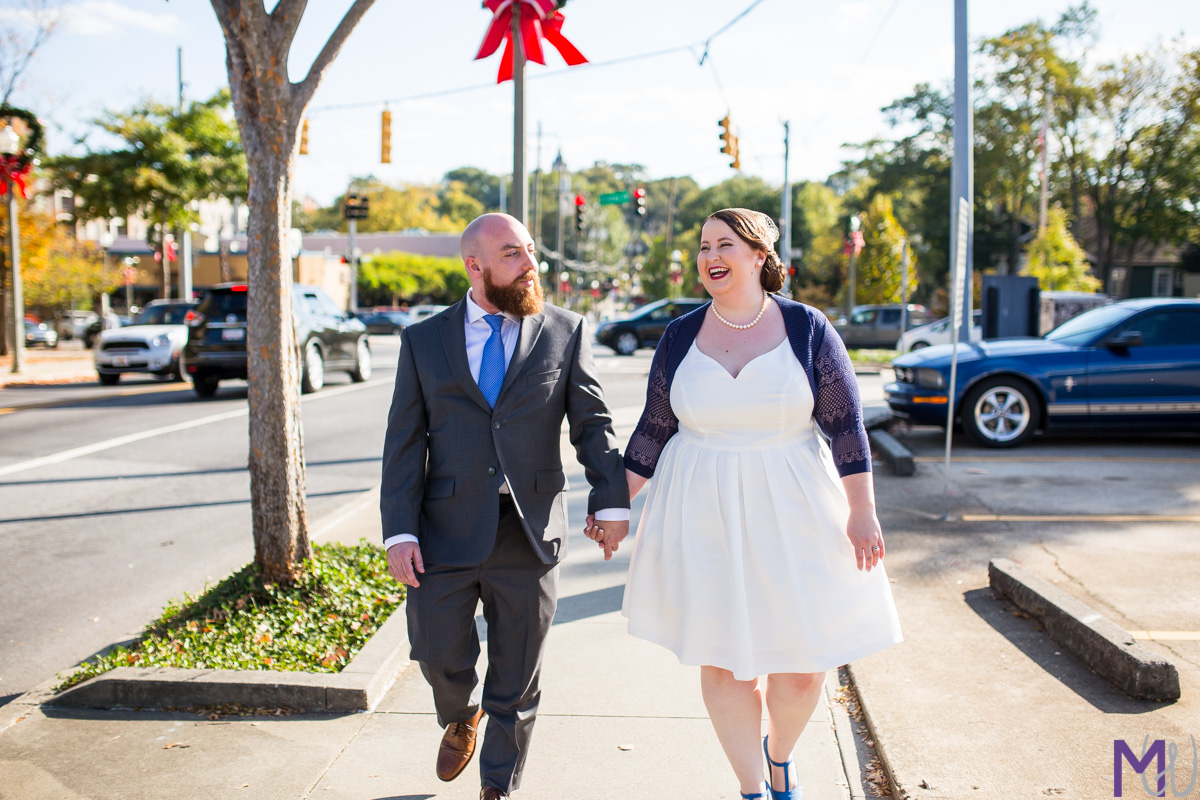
{"x":543,"y":377}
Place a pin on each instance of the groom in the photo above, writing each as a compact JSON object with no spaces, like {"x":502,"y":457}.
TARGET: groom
{"x":472,"y":497}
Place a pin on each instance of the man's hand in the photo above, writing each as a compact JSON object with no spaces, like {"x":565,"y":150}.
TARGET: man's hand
{"x":608,"y":533}
{"x":404,"y":562}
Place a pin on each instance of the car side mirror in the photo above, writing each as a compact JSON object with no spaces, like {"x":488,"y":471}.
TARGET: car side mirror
{"x":1124,"y":340}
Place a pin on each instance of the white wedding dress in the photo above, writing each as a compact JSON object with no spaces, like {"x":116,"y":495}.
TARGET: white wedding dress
{"x":741,"y":559}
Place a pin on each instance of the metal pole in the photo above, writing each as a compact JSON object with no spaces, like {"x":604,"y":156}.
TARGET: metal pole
{"x":564,"y":188}
{"x":503,"y":197}
{"x":179,"y":64}
{"x":14,"y":259}
{"x":519,"y":177}
{"x":853,"y":279}
{"x":785,"y":219}
{"x":185,"y":276}
{"x":904,"y":286}
{"x":535,"y":226}
{"x":963,"y":166}
{"x":1043,"y":173}
{"x":353,"y":267}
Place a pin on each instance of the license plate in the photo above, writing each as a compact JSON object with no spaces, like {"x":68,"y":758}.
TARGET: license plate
{"x":233,"y":334}
{"x":120,"y":361}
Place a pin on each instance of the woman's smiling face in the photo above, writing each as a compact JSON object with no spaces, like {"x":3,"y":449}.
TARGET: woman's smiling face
{"x":726,"y":262}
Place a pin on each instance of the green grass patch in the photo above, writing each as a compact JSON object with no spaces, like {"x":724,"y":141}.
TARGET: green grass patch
{"x":316,"y":625}
{"x":872,"y":358}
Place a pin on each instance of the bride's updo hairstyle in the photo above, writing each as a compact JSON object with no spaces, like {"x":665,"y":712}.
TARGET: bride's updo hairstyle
{"x":757,"y":230}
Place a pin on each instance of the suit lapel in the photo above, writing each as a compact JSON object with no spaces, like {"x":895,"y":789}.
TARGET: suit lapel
{"x":454,"y":341}
{"x":531,"y":327}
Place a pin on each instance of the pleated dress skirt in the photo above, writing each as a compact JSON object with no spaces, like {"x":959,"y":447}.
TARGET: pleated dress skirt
{"x":741,"y":559}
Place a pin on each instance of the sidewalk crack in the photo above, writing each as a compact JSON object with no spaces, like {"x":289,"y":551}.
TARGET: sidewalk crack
{"x":366,"y":716}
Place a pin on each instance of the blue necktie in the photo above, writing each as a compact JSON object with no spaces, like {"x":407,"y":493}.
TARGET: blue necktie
{"x":491,"y":367}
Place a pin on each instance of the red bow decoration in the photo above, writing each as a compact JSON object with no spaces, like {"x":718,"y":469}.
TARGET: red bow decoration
{"x":540,"y":19}
{"x":12,"y":172}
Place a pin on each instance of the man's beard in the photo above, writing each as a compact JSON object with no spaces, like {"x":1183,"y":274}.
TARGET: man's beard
{"x":513,"y":298}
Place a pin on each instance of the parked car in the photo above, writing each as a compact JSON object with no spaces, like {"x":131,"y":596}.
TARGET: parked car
{"x":111,"y":321}
{"x":39,"y":333}
{"x":386,"y":321}
{"x":936,"y":333}
{"x":1132,"y":365}
{"x":418,"y":313}
{"x":329,"y":338}
{"x":151,"y":344}
{"x":74,"y":324}
{"x":878,"y":325}
{"x":644,"y":327}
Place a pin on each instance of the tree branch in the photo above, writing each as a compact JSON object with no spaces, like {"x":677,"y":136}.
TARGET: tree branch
{"x":304,"y":91}
{"x":285,"y":20}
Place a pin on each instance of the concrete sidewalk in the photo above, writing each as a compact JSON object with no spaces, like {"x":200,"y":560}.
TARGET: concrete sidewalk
{"x":619,"y":718}
{"x":41,"y":366}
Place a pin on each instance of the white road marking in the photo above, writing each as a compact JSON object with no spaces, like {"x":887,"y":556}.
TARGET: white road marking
{"x":108,"y":444}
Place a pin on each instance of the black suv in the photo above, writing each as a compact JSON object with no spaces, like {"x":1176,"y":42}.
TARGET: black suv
{"x":644,"y":327}
{"x":330,"y":339}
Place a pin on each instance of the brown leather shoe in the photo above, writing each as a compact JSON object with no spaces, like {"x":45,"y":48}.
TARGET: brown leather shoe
{"x":492,"y":793}
{"x":458,"y":746}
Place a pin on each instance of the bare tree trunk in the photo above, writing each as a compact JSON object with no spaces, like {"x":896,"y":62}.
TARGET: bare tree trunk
{"x":269,"y":109}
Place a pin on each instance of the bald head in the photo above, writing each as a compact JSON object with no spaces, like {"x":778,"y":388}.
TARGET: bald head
{"x":489,"y":232}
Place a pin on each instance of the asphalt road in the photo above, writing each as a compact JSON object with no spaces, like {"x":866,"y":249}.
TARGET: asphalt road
{"x":95,"y":543}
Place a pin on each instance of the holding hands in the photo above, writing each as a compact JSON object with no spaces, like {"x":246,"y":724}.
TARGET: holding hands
{"x":608,"y":533}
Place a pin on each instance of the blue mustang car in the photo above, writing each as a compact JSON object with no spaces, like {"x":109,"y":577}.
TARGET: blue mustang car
{"x":1130,"y":365}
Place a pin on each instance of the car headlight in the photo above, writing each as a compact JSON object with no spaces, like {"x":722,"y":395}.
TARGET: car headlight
{"x":930,"y":379}
{"x":162,"y":340}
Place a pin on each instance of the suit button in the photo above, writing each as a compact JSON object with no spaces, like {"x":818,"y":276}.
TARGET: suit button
{"x":496,"y":426}
{"x":491,"y":470}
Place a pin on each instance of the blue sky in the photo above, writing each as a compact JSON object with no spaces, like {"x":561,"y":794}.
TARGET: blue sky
{"x":828,"y":67}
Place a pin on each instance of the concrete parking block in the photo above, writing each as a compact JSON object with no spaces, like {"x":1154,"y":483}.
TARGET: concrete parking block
{"x":1105,"y":647}
{"x":897,"y":455}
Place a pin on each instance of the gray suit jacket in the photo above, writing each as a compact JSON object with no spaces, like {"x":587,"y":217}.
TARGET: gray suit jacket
{"x":445,"y":448}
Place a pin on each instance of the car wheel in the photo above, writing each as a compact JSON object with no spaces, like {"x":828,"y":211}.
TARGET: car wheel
{"x":176,"y":373}
{"x":88,"y":342}
{"x":362,"y":362}
{"x":109,"y":378}
{"x":205,"y":385}
{"x":918,"y":345}
{"x":627,"y":343}
{"x":1001,"y":412}
{"x":313,"y":376}
{"x":396,"y":330}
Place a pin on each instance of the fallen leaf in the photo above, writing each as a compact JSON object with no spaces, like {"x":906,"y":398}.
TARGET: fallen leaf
{"x":624,"y":747}
{"x":175,"y":744}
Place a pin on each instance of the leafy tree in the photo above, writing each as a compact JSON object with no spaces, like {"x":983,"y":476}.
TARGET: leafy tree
{"x":167,"y":160}
{"x":1057,"y":260}
{"x":393,"y":277}
{"x":57,"y":270}
{"x":878,"y":266}
{"x":269,"y":108}
{"x":817,"y":232}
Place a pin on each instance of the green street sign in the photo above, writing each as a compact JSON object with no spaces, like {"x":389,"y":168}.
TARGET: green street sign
{"x":614,"y":198}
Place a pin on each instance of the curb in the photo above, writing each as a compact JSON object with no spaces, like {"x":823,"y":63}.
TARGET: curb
{"x":882,"y":743}
{"x":358,"y":687}
{"x":897,"y":455}
{"x":877,"y":417}
{"x":847,"y":742}
{"x":1103,"y":646}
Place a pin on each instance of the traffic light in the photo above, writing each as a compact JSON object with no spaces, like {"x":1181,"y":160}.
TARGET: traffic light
{"x":304,"y":138}
{"x":737,"y":161}
{"x":639,"y":200}
{"x":385,"y":156}
{"x":356,"y":207}
{"x":580,"y":205}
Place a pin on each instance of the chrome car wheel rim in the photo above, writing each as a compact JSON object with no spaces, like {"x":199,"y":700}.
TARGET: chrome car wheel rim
{"x":1002,"y":413}
{"x":316,"y":368}
{"x":626,"y":343}
{"x":364,"y":360}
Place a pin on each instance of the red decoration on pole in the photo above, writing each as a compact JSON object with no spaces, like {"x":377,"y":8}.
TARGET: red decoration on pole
{"x":854,"y":243}
{"x":12,"y":172}
{"x":540,"y":19}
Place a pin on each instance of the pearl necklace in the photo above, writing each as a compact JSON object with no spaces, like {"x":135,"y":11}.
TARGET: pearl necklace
{"x":749,"y":324}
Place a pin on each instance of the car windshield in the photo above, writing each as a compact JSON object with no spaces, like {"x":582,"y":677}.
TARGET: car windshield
{"x":164,"y":315}
{"x":221,"y":304}
{"x":1084,"y":328}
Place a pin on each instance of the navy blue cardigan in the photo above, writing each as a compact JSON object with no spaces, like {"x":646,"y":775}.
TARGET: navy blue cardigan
{"x":818,"y":348}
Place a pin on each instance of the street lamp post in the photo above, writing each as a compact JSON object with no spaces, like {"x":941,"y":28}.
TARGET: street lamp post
{"x":853,"y":246}
{"x":10,"y":146}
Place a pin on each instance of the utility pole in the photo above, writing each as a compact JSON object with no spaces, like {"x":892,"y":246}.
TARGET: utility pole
{"x":671,"y":217}
{"x":519,"y":177}
{"x":179,"y":67}
{"x":785,"y":219}
{"x":535,"y":227}
{"x":564,"y":191}
{"x":14,"y":261}
{"x":904,"y":286}
{"x":1044,"y":172}
{"x":353,"y":266}
{"x":962,"y":172}
{"x":855,"y":222}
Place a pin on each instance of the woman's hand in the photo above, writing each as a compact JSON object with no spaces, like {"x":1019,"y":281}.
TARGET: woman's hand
{"x":867,"y":538}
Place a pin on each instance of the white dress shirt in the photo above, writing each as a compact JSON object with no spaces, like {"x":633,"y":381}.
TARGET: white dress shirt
{"x":478,"y":332}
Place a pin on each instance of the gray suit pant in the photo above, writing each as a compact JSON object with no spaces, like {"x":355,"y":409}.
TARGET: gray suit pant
{"x":519,"y":594}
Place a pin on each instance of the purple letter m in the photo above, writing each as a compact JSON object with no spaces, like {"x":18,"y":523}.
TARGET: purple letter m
{"x":1156,"y":751}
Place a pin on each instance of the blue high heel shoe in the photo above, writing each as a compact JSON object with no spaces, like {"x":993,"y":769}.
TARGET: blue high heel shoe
{"x":757,"y":795}
{"x":789,"y":792}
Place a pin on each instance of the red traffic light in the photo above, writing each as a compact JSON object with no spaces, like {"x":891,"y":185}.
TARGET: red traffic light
{"x":580,"y":200}
{"x":639,"y":192}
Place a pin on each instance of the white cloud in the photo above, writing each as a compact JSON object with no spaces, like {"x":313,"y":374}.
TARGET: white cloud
{"x":108,"y":17}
